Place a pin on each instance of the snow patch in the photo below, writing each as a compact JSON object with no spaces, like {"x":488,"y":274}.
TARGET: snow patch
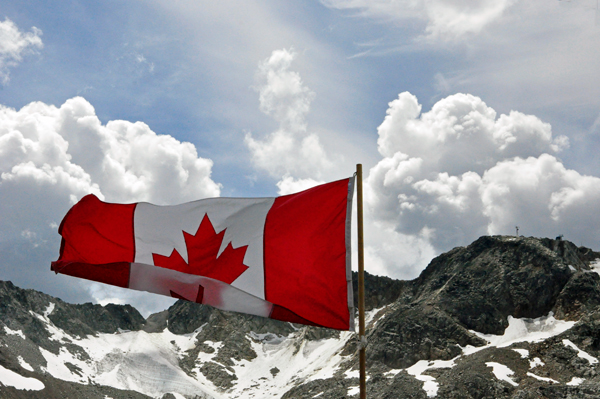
{"x":526,"y":330}
{"x":110,"y":378}
{"x":584,"y":355}
{"x":14,"y":332}
{"x":24,"y":364}
{"x":536,"y":362}
{"x":502,"y":372}
{"x":430,"y":386}
{"x":56,"y":334}
{"x":135,"y":360}
{"x":204,"y":357}
{"x":352,"y":391}
{"x":572,"y":268}
{"x":183,"y":342}
{"x":298,"y":361}
{"x":11,"y":379}
{"x":537,"y":377}
{"x":392,"y":373}
{"x":470,"y":349}
{"x":56,"y":366}
{"x":49,"y":309}
{"x":144,"y":362}
{"x":267,"y":337}
{"x":370,"y":316}
{"x":575,"y":381}
{"x":352,"y":373}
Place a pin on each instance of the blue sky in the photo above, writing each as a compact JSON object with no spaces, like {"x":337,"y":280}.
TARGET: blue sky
{"x":469,"y":117}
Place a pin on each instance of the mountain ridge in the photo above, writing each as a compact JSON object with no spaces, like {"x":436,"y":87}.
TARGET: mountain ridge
{"x":427,"y":337}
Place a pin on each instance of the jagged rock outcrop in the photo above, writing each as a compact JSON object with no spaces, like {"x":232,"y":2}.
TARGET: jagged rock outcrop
{"x":407,"y":334}
{"x":580,"y":296}
{"x":85,"y":319}
{"x":493,"y":278}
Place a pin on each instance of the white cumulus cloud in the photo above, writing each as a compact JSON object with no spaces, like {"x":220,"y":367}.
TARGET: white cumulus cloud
{"x":460,"y":171}
{"x":291,"y":149}
{"x":14,"y":44}
{"x":120,"y":161}
{"x":461,"y":133}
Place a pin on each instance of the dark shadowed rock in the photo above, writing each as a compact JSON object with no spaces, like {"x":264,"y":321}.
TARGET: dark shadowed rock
{"x":89,"y":319}
{"x":409,"y":333}
{"x":185,"y":317}
{"x":580,"y":295}
{"x":578,"y":257}
{"x":473,"y":378}
{"x":19,"y":308}
{"x":400,"y":385}
{"x":380,"y":290}
{"x":218,"y":374}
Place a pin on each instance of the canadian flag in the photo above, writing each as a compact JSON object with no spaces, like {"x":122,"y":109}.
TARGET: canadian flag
{"x":287,"y":258}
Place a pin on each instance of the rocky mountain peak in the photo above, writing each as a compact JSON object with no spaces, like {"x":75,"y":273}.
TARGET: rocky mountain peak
{"x":495,"y":277}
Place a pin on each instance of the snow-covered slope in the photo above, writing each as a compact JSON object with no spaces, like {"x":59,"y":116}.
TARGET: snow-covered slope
{"x":149,"y":363}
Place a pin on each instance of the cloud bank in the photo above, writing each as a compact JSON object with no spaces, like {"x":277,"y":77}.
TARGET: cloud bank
{"x":14,"y":44}
{"x":459,"y":171}
{"x":51,"y":156}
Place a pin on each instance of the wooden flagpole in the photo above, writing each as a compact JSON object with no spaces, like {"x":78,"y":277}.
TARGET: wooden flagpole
{"x":361,"y":285}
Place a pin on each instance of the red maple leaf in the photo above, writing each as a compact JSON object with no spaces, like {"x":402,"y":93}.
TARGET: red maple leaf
{"x":202,"y":250}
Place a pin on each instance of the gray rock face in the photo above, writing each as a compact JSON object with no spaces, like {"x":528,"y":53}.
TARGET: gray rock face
{"x":493,"y":278}
{"x":89,"y":319}
{"x":580,"y":296}
{"x":217,"y":326}
{"x":408,"y":334}
{"x":380,"y":290}
{"x":16,"y":305}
